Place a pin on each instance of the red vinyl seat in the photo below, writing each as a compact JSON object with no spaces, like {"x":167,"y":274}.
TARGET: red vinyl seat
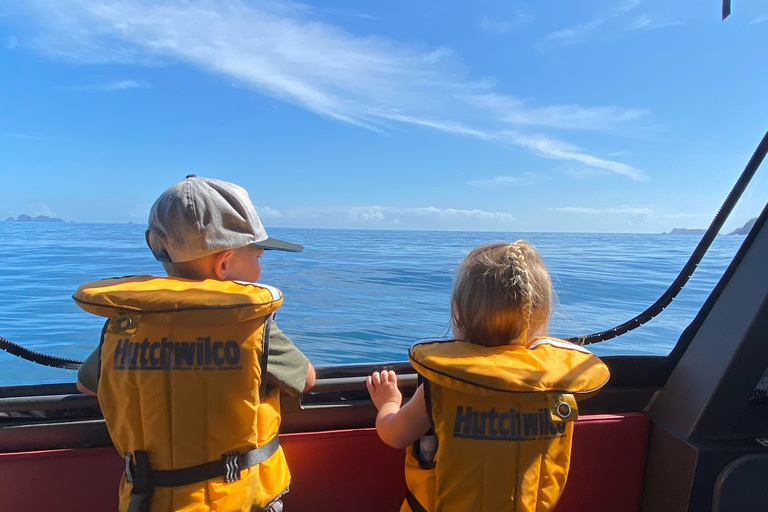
{"x":343,"y":470}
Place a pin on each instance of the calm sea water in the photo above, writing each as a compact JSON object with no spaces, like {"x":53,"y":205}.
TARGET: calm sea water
{"x":353,"y":296}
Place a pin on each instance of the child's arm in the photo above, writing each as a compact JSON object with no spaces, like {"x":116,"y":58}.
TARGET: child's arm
{"x":397,"y":426}
{"x":310,"y":377}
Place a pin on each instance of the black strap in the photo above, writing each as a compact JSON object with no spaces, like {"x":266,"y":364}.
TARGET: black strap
{"x":138,"y":472}
{"x":413,"y":502}
{"x":265,"y":356}
{"x":143,"y":478}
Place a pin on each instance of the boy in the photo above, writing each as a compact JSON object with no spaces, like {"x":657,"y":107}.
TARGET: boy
{"x":190,"y":398}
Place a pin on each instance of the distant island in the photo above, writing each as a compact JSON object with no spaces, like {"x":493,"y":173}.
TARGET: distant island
{"x":746,"y":228}
{"x":39,"y":218}
{"x":743,"y":230}
{"x":684,"y":231}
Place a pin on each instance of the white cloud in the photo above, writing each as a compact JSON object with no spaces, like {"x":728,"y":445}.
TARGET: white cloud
{"x":496,"y":181}
{"x":11,"y":42}
{"x":641,"y":21}
{"x":520,"y":112}
{"x":428,"y":217}
{"x":499,"y":25}
{"x":35,"y":209}
{"x":493,"y":182}
{"x":759,"y":19}
{"x":544,"y":145}
{"x":687,"y":215}
{"x":575,"y":33}
{"x":621,"y":210}
{"x":118,"y":85}
{"x":626,"y":6}
{"x":24,"y":136}
{"x":283,"y":50}
{"x":265,"y":212}
{"x":554,"y":148}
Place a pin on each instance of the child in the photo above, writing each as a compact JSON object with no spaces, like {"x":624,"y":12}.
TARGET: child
{"x":190,"y":398}
{"x":498,"y":400}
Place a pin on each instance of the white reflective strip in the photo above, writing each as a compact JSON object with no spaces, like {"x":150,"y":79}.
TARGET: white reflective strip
{"x":559,"y":344}
{"x":276,"y":294}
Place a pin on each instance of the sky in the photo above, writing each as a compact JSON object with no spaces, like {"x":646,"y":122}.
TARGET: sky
{"x":604,"y":116}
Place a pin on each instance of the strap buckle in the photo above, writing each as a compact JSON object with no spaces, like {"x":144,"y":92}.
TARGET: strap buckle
{"x":128,"y":468}
{"x":231,"y":467}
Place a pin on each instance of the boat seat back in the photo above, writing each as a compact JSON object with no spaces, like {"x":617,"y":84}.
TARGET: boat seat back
{"x":342,"y":470}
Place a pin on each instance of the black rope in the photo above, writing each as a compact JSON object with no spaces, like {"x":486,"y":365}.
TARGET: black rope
{"x":698,"y":253}
{"x":37,"y":357}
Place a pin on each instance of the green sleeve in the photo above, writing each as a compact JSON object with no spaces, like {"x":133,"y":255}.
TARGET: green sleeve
{"x":286,"y":365}
{"x":88,"y":374}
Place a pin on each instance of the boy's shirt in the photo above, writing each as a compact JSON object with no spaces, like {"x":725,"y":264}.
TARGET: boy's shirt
{"x":286,"y":367}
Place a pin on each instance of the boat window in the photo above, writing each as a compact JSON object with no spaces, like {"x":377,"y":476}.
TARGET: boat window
{"x":389,"y":146}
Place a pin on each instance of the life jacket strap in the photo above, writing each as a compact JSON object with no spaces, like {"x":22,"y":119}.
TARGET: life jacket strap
{"x":414,"y":503}
{"x":144,"y":479}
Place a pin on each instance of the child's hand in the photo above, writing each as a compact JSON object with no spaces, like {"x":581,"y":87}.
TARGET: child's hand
{"x":383,"y":388}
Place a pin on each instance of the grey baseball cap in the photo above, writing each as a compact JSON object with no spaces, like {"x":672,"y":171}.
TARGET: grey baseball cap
{"x":200,"y":216}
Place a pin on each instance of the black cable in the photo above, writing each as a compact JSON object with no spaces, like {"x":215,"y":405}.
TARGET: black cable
{"x":698,"y":253}
{"x":37,"y":357}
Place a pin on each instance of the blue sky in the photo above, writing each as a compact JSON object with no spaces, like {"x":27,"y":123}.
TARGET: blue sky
{"x":622,"y":116}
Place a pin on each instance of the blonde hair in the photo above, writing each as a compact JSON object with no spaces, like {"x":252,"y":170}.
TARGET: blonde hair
{"x":502,"y":294}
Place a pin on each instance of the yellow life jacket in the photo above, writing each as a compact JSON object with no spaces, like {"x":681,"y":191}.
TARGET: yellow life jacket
{"x":181,"y":373}
{"x":503,"y":419}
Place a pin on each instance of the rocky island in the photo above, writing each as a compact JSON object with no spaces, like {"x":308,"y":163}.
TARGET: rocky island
{"x":39,"y":218}
{"x":684,"y":231}
{"x":743,"y":230}
{"x":746,"y":228}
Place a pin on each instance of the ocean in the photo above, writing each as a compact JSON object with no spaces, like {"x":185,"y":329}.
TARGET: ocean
{"x":353,"y":296}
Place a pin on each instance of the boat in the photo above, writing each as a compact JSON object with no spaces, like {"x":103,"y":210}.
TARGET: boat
{"x":682,"y":432}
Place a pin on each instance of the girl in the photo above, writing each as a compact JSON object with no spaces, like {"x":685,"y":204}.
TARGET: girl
{"x":490,"y":427}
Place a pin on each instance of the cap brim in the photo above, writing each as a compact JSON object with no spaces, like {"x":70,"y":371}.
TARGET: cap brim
{"x":278,"y":245}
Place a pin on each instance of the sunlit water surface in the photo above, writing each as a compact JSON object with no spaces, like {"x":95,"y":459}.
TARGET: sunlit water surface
{"x":353,"y":296}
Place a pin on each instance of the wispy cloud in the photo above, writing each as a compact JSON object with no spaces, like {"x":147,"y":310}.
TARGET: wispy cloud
{"x":11,"y":42}
{"x":686,"y":215}
{"x":286,"y":51}
{"x":543,"y":145}
{"x":611,"y":24}
{"x":503,"y":24}
{"x":621,"y":210}
{"x":25,"y":136}
{"x":119,"y":85}
{"x":524,"y":112}
{"x":626,"y":6}
{"x":500,"y":181}
{"x":266,"y":212}
{"x":759,"y":19}
{"x":35,"y":209}
{"x":388,"y":216}
{"x":575,"y":33}
{"x":642,"y":21}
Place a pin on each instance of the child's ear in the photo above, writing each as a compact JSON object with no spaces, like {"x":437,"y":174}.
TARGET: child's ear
{"x":222,"y":264}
